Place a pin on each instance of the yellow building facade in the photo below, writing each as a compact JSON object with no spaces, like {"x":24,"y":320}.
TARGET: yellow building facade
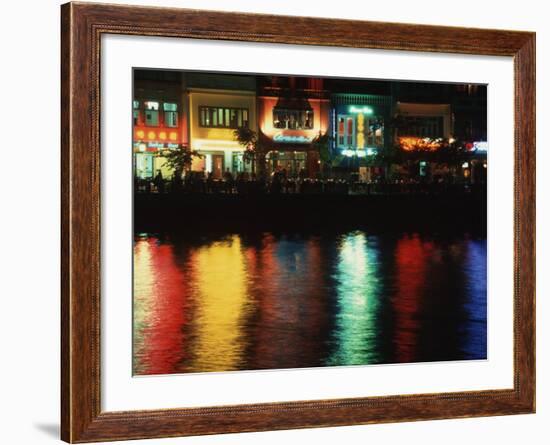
{"x":214,"y":115}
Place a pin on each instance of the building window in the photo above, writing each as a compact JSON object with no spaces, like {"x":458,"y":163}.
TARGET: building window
{"x":346,"y":131}
{"x":359,"y":133}
{"x":221,"y":117}
{"x":350,"y":130}
{"x":170,"y":114}
{"x":136,"y":112}
{"x":423,"y":127}
{"x":292,"y":119}
{"x":374,"y":132}
{"x":151,"y":114}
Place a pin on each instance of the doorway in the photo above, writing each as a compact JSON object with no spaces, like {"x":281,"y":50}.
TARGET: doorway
{"x":217,"y":166}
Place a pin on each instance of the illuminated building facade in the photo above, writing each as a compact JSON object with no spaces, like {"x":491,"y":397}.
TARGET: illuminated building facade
{"x":467,"y":102}
{"x":469,"y":105}
{"x":460,"y":114}
{"x":218,"y":105}
{"x":424,"y":120}
{"x":292,"y":112}
{"x":159,"y":120}
{"x":360,"y":128}
{"x":423,"y":127}
{"x":201,"y":112}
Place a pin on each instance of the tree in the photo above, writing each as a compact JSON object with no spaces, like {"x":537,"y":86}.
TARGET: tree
{"x":387,"y":155}
{"x":408,"y":152}
{"x":180,"y":159}
{"x":453,"y":154}
{"x":322,"y":143}
{"x":255,"y":146}
{"x":391,"y":152}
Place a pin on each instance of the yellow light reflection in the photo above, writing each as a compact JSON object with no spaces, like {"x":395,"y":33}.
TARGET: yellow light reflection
{"x":221,"y":298}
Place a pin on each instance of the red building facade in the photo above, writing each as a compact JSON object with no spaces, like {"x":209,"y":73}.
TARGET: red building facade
{"x":292,"y":112}
{"x":159,"y":120}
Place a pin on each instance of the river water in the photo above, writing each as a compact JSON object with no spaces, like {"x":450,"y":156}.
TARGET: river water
{"x":275,"y":301}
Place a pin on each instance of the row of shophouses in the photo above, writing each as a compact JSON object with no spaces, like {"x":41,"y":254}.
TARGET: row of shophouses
{"x":201,"y":111}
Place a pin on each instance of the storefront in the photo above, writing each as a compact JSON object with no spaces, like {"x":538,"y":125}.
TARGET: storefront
{"x":217,"y":159}
{"x":148,"y":159}
{"x":289,"y":162}
{"x":358,"y":129}
{"x":157,"y":128}
{"x":290,"y":126}
{"x":159,"y":124}
{"x":214,"y":117}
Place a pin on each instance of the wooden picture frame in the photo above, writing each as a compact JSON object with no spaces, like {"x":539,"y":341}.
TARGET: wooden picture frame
{"x":82,"y":26}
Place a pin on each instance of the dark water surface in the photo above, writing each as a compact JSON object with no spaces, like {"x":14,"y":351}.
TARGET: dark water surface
{"x":272,"y":301}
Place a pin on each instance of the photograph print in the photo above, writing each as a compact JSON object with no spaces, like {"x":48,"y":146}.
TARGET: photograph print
{"x":285,"y":221}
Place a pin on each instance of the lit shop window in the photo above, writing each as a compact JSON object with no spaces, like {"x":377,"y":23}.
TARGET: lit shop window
{"x":136,"y":112}
{"x":170,"y":114}
{"x":346,"y":131}
{"x":220,"y":117}
{"x":151,"y":114}
{"x":350,"y":130}
{"x":293,"y":119}
{"x":374,"y":132}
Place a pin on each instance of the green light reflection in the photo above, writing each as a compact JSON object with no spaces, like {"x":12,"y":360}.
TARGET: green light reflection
{"x":358,"y":293}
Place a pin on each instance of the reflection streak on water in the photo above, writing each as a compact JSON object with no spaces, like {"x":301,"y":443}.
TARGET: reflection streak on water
{"x":357,"y":300}
{"x":475,"y":270}
{"x":220,"y":295}
{"x":274,"y":302}
{"x":411,"y":256}
{"x":285,"y":281}
{"x":159,"y":294}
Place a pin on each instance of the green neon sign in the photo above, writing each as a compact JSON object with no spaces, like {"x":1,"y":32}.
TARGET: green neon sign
{"x":363,"y":110}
